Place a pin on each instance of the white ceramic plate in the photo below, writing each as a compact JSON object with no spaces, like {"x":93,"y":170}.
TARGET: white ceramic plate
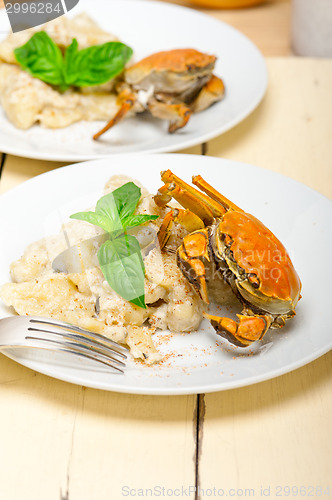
{"x":150,"y":27}
{"x":200,"y":361}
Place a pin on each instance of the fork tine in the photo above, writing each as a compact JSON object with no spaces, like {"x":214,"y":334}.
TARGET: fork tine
{"x":81,"y":331}
{"x":75,"y":341}
{"x":79,"y":339}
{"x":79,"y":349}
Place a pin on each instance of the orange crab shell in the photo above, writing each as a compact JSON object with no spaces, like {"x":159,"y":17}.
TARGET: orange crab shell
{"x":177,"y":61}
{"x":259,"y":252}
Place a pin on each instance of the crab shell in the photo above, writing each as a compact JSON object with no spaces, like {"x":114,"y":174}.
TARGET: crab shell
{"x":173,"y":71}
{"x":264,"y":274}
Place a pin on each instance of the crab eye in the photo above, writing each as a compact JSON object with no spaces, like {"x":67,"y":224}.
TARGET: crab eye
{"x":253,"y":279}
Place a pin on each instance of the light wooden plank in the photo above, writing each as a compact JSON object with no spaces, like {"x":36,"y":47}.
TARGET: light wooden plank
{"x":132,"y":443}
{"x":290,"y":131}
{"x":37,"y":420}
{"x":276,"y":433}
{"x":95,"y":444}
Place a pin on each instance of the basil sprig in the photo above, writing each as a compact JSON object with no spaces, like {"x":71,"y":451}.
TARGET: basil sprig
{"x":95,"y":65}
{"x":120,"y":257}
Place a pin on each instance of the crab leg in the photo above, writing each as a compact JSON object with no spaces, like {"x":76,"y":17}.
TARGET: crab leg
{"x":190,"y":221}
{"x":178,"y":114}
{"x":126,"y":101}
{"x":243,"y":332}
{"x":187,"y":200}
{"x":192,"y":256}
{"x":212,"y":91}
{"x":189,"y":197}
{"x":214,"y":194}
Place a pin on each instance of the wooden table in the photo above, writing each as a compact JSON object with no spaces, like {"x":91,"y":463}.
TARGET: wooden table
{"x":65,"y":442}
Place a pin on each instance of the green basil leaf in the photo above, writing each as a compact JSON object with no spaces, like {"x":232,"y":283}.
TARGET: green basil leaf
{"x":94,"y":218}
{"x":122,"y":265}
{"x":107,"y":207}
{"x":95,"y":65}
{"x":126,"y":198}
{"x":120,"y":203}
{"x":137,"y":220}
{"x":42,"y":58}
{"x":69,"y":61}
{"x":120,"y":258}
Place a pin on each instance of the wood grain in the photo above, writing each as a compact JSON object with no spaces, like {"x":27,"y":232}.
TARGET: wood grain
{"x":271,"y":434}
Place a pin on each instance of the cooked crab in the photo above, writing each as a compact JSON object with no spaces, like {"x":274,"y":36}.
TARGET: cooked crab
{"x":171,"y":85}
{"x":244,"y":253}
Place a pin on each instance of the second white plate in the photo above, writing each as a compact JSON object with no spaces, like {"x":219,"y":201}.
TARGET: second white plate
{"x":150,"y":27}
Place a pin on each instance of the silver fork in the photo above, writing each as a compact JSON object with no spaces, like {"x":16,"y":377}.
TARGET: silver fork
{"x":53,"y":335}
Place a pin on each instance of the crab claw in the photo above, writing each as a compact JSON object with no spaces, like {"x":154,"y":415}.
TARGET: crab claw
{"x":191,"y":258}
{"x":243,"y":332}
{"x":212,"y":92}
